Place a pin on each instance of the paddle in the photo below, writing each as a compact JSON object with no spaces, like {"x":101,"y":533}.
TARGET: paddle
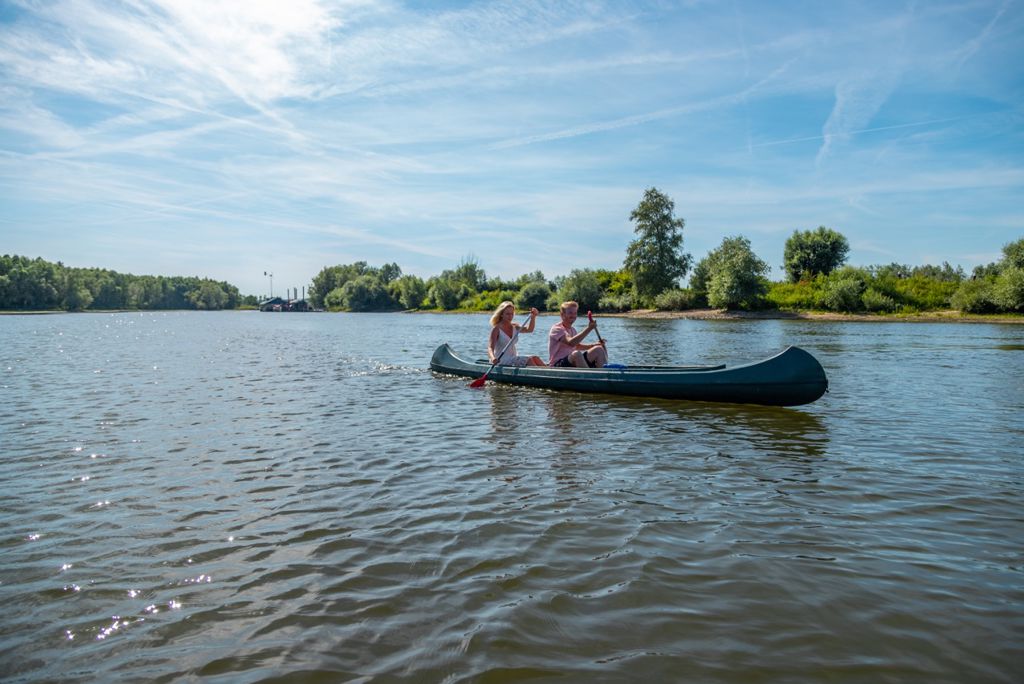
{"x":479,"y":382}
{"x":590,"y":317}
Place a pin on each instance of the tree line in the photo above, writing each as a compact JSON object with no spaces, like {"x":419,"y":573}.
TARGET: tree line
{"x":731,"y":276}
{"x":38,"y":285}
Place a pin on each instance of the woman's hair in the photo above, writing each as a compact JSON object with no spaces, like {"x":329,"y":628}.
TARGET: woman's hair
{"x":496,"y":316}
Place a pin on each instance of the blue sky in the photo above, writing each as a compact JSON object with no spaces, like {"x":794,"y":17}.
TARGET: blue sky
{"x":226,"y":139}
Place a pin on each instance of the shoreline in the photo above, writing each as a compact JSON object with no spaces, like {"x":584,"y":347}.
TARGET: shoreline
{"x":947,"y":316}
{"x":950,"y":316}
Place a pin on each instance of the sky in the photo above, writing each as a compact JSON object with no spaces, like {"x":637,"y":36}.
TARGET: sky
{"x":234,"y":139}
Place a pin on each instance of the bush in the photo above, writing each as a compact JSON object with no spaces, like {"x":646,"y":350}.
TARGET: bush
{"x":1008,"y":292}
{"x":873,"y":300}
{"x":487,"y":300}
{"x":975,"y":296}
{"x":843,"y":294}
{"x":802,"y":295}
{"x":922,"y":293}
{"x":335,"y":300}
{"x":617,"y":303}
{"x":674,"y":300}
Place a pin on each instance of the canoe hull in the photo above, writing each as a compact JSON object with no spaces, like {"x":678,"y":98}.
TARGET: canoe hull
{"x":790,"y":378}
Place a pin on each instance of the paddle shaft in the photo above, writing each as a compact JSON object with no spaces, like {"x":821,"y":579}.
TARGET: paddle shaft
{"x":590,"y":316}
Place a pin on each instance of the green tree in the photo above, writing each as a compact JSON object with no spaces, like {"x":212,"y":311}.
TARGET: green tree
{"x":76,"y":295}
{"x":527,"y":278}
{"x":410,"y":291}
{"x":1013,"y":254}
{"x":208,"y":296}
{"x":444,"y":293}
{"x":582,"y":287}
{"x":468,"y":273}
{"x":389,"y":273}
{"x":1008,"y":292}
{"x":366,"y":293}
{"x":655,"y":259}
{"x":731,"y":276}
{"x":532,"y":294}
{"x":813,"y":252}
{"x":333,"y":277}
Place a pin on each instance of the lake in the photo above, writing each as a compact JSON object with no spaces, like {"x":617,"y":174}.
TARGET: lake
{"x":243,"y":497}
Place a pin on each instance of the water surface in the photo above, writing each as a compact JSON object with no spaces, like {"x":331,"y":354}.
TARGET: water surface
{"x":241,"y":497}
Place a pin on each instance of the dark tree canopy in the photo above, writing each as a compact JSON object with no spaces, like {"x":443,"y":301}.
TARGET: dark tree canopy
{"x":655,"y":259}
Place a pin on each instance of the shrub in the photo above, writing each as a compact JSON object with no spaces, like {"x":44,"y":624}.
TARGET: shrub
{"x":873,"y":300}
{"x":335,"y":299}
{"x":975,"y":296}
{"x":487,"y":300}
{"x":843,"y":294}
{"x":802,"y":295}
{"x":1008,"y":292}
{"x":615,"y":303}
{"x":674,"y":300}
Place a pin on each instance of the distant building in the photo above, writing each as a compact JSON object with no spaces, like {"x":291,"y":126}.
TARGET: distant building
{"x":279,"y":304}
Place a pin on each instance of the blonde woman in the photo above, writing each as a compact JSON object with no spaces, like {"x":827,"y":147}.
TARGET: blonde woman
{"x":504,"y":334}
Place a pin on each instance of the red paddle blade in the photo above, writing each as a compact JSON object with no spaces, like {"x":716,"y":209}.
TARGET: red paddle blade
{"x":479,"y":382}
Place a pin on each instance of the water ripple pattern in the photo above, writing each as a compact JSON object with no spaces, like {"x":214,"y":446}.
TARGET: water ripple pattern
{"x":245,"y":497}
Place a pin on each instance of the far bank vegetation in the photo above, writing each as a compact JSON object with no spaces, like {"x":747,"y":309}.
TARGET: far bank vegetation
{"x":731,"y":277}
{"x":815,"y":277}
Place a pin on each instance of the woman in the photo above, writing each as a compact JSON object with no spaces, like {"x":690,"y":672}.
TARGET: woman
{"x":503,"y":335}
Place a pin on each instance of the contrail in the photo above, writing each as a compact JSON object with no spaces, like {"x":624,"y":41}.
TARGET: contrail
{"x":863,"y":130}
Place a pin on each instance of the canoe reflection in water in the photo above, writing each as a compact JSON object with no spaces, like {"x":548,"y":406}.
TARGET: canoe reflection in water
{"x":768,"y":443}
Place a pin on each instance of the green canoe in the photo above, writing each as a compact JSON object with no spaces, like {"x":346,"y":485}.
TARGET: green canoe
{"x":790,"y":378}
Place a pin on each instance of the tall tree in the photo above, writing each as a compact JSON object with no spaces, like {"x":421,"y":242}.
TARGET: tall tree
{"x":655,"y":259}
{"x":814,"y":251}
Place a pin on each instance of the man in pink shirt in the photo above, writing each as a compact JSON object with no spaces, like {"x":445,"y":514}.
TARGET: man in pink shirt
{"x":565,"y":344}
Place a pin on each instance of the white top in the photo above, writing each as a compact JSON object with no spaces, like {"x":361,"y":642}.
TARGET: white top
{"x":509,"y":356}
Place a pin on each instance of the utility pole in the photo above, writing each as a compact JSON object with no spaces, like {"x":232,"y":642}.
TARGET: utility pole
{"x":271,"y":283}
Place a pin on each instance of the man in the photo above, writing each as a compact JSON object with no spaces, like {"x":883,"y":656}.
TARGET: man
{"x":565,"y":344}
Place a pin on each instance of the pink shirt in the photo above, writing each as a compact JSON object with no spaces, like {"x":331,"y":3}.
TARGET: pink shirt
{"x":557,"y":348}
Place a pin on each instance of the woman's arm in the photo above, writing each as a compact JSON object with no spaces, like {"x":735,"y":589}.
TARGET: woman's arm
{"x":528,"y":328}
